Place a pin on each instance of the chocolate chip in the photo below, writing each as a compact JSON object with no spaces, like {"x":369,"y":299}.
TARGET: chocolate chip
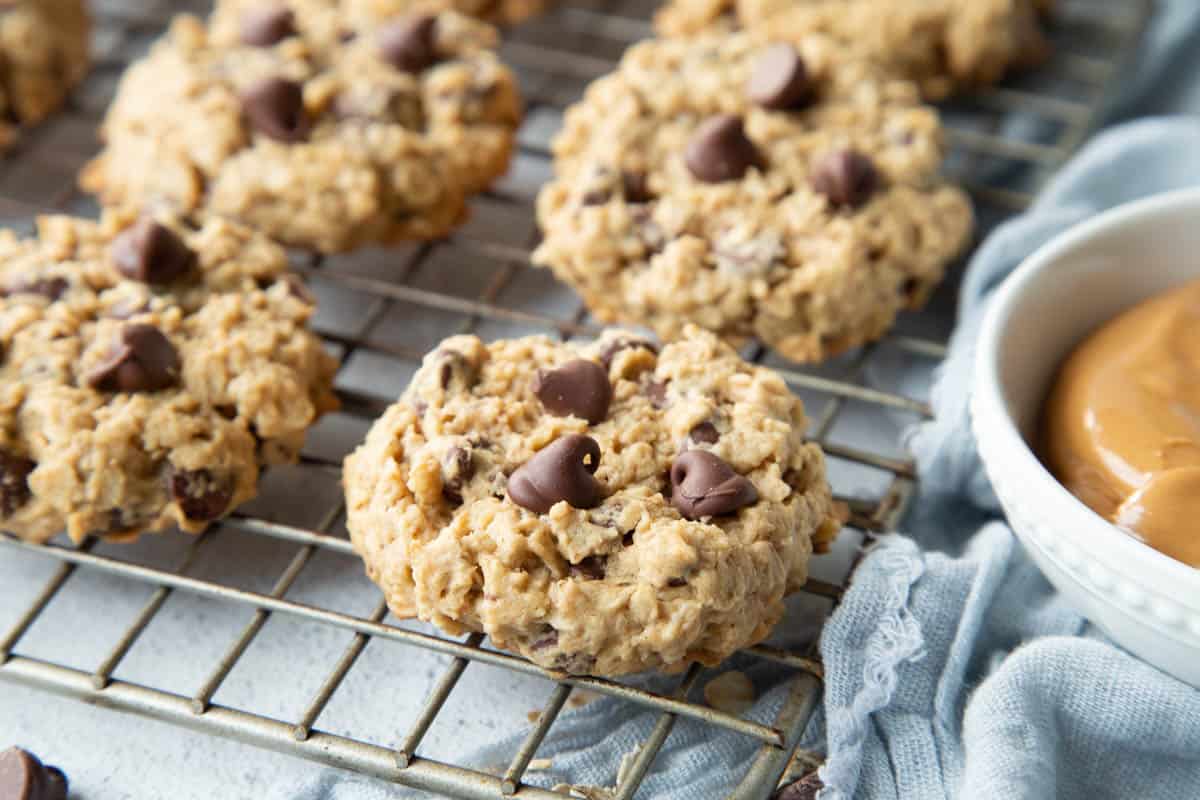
{"x":456,"y":373}
{"x":705,"y":432}
{"x":564,"y":470}
{"x":846,"y":177}
{"x":617,"y":345}
{"x":142,"y":360}
{"x":590,"y":568}
{"x":720,"y":150}
{"x":264,"y":27}
{"x":14,"y":484}
{"x":152,"y":253}
{"x":275,"y":107}
{"x":627,"y":540}
{"x":635,"y":187}
{"x":199,"y":494}
{"x":458,"y":467}
{"x":547,"y":639}
{"x":804,"y":789}
{"x":675,"y":583}
{"x":24,"y":777}
{"x":656,"y":391}
{"x":410,"y":44}
{"x":578,"y":388}
{"x":703,"y":485}
{"x":49,"y":288}
{"x":779,"y":79}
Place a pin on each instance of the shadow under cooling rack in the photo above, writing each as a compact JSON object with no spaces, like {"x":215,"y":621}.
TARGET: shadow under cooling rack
{"x":381,"y":310}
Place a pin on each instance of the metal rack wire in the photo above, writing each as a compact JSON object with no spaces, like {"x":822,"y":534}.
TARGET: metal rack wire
{"x":1005,"y":142}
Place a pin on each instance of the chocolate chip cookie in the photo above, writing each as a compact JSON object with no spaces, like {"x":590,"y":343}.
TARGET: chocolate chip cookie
{"x":148,"y":369}
{"x":43,"y":54}
{"x":787,"y":191}
{"x":321,"y":134}
{"x":601,"y":507}
{"x":940,"y":44}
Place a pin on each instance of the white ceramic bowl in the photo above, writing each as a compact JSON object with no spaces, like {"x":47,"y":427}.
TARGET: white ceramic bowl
{"x":1147,"y":602}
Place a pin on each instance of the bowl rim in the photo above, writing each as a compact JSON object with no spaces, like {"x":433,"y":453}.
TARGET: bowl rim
{"x":986,"y":379}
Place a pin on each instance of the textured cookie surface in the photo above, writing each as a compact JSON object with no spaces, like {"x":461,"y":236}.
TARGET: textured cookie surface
{"x":147,"y":371}
{"x":779,"y":191}
{"x":941,"y":44}
{"x":317,"y":132}
{"x":600,"y":508}
{"x":501,"y":12}
{"x":43,"y":53}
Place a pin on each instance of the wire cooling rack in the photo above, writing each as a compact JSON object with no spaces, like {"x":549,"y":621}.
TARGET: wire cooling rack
{"x":1004,"y":141}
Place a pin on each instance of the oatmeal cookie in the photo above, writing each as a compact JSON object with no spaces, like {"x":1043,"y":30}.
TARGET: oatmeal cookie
{"x":318,"y":133}
{"x":940,"y":44}
{"x":600,"y":508}
{"x":148,"y":369}
{"x":43,"y":54}
{"x":784,"y":191}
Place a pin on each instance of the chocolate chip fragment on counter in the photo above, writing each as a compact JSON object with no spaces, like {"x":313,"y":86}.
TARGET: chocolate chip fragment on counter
{"x":563,"y":470}
{"x":703,"y":485}
{"x":705,"y":432}
{"x":846,"y":177}
{"x":779,"y":79}
{"x":49,"y":288}
{"x":267,"y":26}
{"x":142,"y":360}
{"x":616,"y":346}
{"x":578,"y":388}
{"x":24,"y":777}
{"x":152,"y":253}
{"x":720,"y":151}
{"x":14,"y":483}
{"x":458,"y":467}
{"x":200,"y":495}
{"x":410,"y":44}
{"x":591,"y":568}
{"x":275,"y":107}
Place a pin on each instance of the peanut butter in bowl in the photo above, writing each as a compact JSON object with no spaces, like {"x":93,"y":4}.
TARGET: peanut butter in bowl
{"x":1121,"y":426}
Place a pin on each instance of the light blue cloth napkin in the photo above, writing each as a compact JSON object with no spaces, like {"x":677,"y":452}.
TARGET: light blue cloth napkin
{"x":953,"y":669}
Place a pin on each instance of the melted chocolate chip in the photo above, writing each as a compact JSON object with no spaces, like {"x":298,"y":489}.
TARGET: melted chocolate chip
{"x":410,"y":44}
{"x":705,"y":432}
{"x":200,"y":495}
{"x":264,"y":27}
{"x":635,"y":187}
{"x":590,"y":568}
{"x":617,"y":345}
{"x":779,"y":79}
{"x":675,"y":583}
{"x":456,"y":373}
{"x":458,"y":467}
{"x":656,"y":391}
{"x":24,"y":777}
{"x":804,"y":789}
{"x":142,"y":360}
{"x":703,"y":485}
{"x":14,"y":484}
{"x":49,"y":288}
{"x":152,"y":253}
{"x":564,"y":470}
{"x":275,"y":107}
{"x":847,"y":178}
{"x":720,"y":151}
{"x":578,"y":388}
